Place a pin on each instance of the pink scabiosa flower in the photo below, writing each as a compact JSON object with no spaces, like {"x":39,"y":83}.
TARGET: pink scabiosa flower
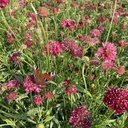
{"x":108,"y":51}
{"x":3,"y":3}
{"x":14,"y":56}
{"x":32,"y":15}
{"x":69,"y":23}
{"x":11,"y":96}
{"x":49,"y":95}
{"x":80,"y":117}
{"x":28,"y":43}
{"x":95,"y":61}
{"x":77,"y":52}
{"x":69,"y":43}
{"x":107,"y":64}
{"x":120,"y":70}
{"x":114,"y":19}
{"x":31,"y":86}
{"x":27,"y":35}
{"x":11,"y":40}
{"x":12,"y":83}
{"x":66,"y":82}
{"x":95,"y":32}
{"x":116,"y":99}
{"x":71,"y":89}
{"x":38,"y":99}
{"x":31,"y":24}
{"x":11,"y":12}
{"x":54,"y":47}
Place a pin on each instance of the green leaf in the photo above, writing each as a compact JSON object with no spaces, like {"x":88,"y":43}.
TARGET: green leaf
{"x":48,"y":118}
{"x":49,"y":111}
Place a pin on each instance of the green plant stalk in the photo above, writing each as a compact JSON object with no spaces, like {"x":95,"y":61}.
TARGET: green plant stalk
{"x":6,"y":23}
{"x":85,"y":84}
{"x":111,"y":23}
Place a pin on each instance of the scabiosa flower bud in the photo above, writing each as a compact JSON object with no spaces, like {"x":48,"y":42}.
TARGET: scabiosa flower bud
{"x":11,"y":96}
{"x":116,"y":99}
{"x":80,"y":117}
{"x":38,"y":99}
{"x":71,"y":89}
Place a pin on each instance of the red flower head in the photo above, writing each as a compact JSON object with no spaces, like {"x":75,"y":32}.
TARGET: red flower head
{"x":120,"y":70}
{"x":108,"y":51}
{"x":116,"y":99}
{"x":12,"y":83}
{"x":95,"y":32}
{"x":71,"y":89}
{"x":38,"y":99}
{"x":80,"y":117}
{"x":69,"y":23}
{"x":54,"y":47}
{"x":3,"y":3}
{"x":66,"y":82}
{"x":31,"y":85}
{"x":49,"y":95}
{"x":69,"y":43}
{"x":11,"y":96}
{"x":28,"y":43}
{"x":14,"y":56}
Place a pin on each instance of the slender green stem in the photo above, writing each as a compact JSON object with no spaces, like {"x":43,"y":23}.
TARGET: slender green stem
{"x":110,"y":27}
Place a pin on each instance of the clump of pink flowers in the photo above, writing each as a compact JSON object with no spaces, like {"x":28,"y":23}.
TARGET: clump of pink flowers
{"x":107,"y":53}
{"x":31,"y":86}
{"x":54,"y":47}
{"x":116,"y":99}
{"x":3,"y":3}
{"x":70,"y":44}
{"x":80,"y":117}
{"x":69,"y":23}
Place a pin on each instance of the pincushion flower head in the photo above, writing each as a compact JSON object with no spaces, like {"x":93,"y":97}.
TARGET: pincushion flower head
{"x":31,"y":86}
{"x":80,"y":117}
{"x":38,"y":99}
{"x":116,"y":99}
{"x":54,"y":47}
{"x":95,"y":32}
{"x":3,"y":3}
{"x":11,"y":96}
{"x":108,"y":51}
{"x":71,"y":89}
{"x":69,"y":23}
{"x":12,"y":83}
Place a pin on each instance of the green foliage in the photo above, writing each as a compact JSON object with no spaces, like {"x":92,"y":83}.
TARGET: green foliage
{"x":55,"y":113}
